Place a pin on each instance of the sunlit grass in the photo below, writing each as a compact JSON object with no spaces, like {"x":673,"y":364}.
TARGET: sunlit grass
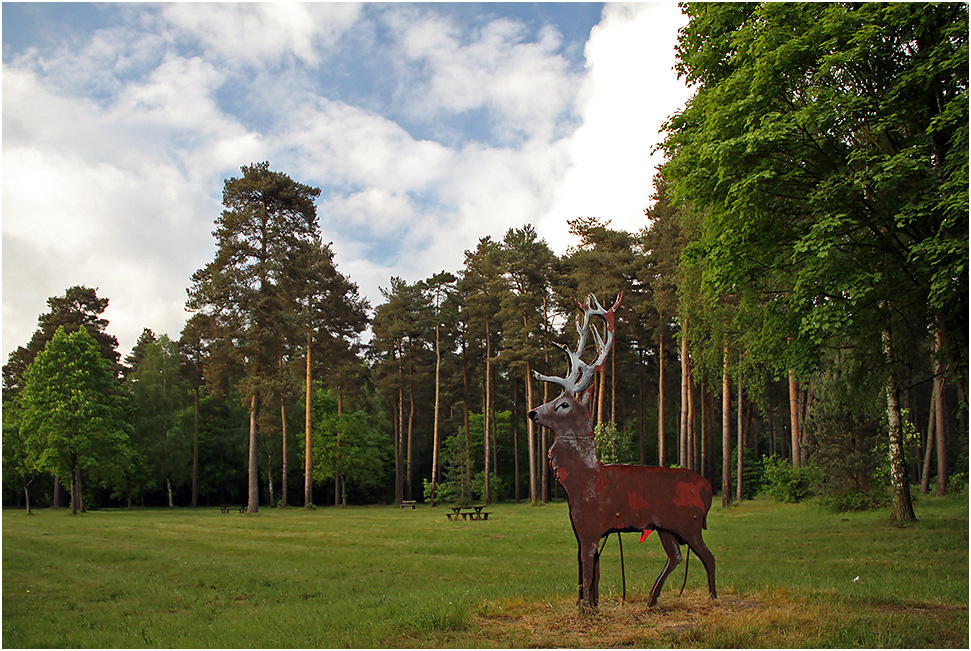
{"x":381,"y":576}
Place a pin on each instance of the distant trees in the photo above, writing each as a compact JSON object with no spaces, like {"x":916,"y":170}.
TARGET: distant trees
{"x":801,"y":278}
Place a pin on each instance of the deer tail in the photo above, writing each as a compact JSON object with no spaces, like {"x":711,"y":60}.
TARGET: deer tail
{"x":687,"y":557}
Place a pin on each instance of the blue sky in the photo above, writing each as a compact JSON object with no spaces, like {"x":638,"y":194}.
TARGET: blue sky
{"x":426,"y":126}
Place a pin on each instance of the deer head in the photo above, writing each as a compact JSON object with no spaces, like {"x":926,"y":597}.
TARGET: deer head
{"x":567,"y":414}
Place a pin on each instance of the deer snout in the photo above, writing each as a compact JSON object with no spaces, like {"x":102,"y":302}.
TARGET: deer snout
{"x":532,"y":415}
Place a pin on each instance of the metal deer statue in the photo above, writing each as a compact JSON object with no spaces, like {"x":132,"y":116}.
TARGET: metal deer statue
{"x":616,"y":497}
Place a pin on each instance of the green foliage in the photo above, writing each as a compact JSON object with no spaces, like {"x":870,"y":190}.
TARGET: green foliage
{"x":614,"y":445}
{"x":957,"y":484}
{"x":826,"y":152}
{"x":843,"y":501}
{"x":787,"y":484}
{"x":161,"y":442}
{"x":848,"y":426}
{"x":753,"y":472}
{"x":451,"y":487}
{"x":497,"y":486}
{"x":72,"y":414}
{"x":347,"y":444}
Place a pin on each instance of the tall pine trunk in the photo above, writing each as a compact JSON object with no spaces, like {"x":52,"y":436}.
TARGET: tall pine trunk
{"x":739,"y":435}
{"x":467,"y":482}
{"x":531,"y":439}
{"x":253,"y":477}
{"x":925,"y":472}
{"x":726,"y":434}
{"x":308,"y":444}
{"x":691,"y":457}
{"x":941,"y":431}
{"x":794,"y":417}
{"x":195,"y":451}
{"x":683,"y":430}
{"x":485,"y":413}
{"x":435,"y":441}
{"x":411,"y":432}
{"x":283,"y":457}
{"x":660,"y":395}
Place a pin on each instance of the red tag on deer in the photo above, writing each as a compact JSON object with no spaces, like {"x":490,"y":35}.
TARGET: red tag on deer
{"x":647,"y":532}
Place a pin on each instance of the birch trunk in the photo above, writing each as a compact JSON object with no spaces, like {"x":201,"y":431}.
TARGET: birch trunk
{"x":903,"y":508}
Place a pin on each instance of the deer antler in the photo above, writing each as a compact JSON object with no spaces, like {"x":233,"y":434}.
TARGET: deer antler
{"x":581,"y":374}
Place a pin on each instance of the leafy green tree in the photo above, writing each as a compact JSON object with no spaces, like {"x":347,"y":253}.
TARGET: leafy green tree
{"x":137,"y":354}
{"x":72,"y":412}
{"x":160,"y":395}
{"x":350,"y":450}
{"x":19,"y":465}
{"x":827,"y":145}
{"x":267,"y":216}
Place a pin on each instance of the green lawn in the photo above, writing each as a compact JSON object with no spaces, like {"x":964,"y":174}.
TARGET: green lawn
{"x":385,"y":577}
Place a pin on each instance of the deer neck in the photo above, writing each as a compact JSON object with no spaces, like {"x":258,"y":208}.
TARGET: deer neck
{"x":573,"y":457}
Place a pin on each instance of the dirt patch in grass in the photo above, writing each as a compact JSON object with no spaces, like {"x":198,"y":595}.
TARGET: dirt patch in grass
{"x":775,"y":618}
{"x":616,"y":624}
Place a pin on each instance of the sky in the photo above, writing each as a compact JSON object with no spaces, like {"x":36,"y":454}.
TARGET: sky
{"x":425,"y":126}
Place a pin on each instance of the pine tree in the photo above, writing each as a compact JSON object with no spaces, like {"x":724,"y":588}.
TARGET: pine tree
{"x":267,"y":216}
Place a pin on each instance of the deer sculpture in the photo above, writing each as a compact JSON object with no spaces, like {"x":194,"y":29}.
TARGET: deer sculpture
{"x":616,"y":497}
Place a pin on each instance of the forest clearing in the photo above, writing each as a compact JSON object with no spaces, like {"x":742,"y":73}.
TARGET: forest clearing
{"x":790,"y":575}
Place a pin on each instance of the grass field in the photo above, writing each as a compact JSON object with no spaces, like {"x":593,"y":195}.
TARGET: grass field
{"x":385,"y":577}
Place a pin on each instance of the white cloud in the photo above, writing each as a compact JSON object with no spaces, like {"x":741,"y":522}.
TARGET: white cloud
{"x":265,"y":32}
{"x":629,"y":92}
{"x":115,"y":149}
{"x":525,"y":85}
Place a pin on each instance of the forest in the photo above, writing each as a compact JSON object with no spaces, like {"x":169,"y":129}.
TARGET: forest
{"x":794,"y":318}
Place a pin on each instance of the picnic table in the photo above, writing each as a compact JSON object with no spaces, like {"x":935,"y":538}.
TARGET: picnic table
{"x":225,"y":508}
{"x":468,"y":513}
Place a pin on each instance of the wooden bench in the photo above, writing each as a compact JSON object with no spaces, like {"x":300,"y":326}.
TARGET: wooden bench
{"x":406,"y":503}
{"x":226,"y":507}
{"x":473,"y":513}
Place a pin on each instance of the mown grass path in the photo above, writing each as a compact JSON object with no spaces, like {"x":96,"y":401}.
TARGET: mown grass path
{"x":385,"y":577}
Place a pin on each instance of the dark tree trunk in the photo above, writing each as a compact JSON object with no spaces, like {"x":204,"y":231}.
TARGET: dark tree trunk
{"x":253,"y":477}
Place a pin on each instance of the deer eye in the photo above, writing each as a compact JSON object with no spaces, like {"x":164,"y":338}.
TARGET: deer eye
{"x":563,"y":405}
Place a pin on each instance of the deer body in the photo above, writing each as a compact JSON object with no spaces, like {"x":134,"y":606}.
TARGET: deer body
{"x":617,"y":497}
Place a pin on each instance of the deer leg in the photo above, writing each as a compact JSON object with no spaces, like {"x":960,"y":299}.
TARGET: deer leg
{"x":673,"y":551}
{"x":698,"y":546}
{"x":589,"y":574}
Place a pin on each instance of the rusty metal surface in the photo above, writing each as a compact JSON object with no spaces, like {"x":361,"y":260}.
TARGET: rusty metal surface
{"x":614,"y":497}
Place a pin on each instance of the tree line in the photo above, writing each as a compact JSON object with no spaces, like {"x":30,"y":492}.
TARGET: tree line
{"x":797,"y":297}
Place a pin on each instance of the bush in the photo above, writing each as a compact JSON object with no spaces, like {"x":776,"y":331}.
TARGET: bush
{"x":844,"y":501}
{"x":957,"y":484}
{"x":497,"y":486}
{"x":784,"y":483}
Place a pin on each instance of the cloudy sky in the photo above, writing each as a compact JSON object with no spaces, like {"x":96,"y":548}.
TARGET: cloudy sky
{"x":426,"y":126}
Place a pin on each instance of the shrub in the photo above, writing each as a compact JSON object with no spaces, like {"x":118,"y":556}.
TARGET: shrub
{"x":784,"y":483}
{"x":844,"y":501}
{"x":497,"y":486}
{"x":957,"y":484}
